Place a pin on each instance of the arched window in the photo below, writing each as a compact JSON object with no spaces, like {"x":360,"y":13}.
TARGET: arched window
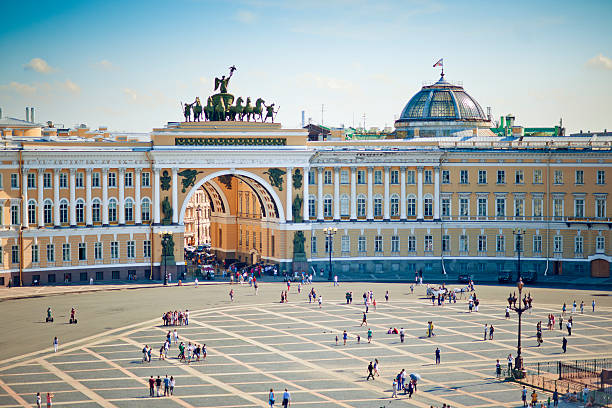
{"x":395,"y":205}
{"x":32,"y":212}
{"x":327,"y":206}
{"x":112,"y":210}
{"x":80,"y":211}
{"x":95,"y":210}
{"x":129,"y":210}
{"x":361,"y":205}
{"x":378,"y":205}
{"x":64,"y":211}
{"x":48,"y":212}
{"x":145,"y":209}
{"x":312,"y":206}
{"x":428,"y":206}
{"x":411,"y":205}
{"x":344,"y":205}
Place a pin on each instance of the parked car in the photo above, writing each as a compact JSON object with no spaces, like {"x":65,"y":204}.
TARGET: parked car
{"x":465,"y":278}
{"x":504,"y":277}
{"x":529,"y":276}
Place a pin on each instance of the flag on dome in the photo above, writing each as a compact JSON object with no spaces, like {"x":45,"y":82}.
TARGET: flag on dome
{"x":439,"y":63}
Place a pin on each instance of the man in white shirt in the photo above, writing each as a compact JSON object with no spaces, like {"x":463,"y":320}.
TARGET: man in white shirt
{"x":286,"y":399}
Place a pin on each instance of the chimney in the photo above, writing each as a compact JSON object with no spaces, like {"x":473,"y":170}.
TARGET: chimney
{"x":32,"y":114}
{"x":27,"y":114}
{"x":303,"y":113}
{"x":0,"y":113}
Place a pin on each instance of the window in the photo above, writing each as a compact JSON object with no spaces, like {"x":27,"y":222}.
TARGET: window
{"x":537,"y":244}
{"x":313,"y":244}
{"x":79,"y":180}
{"x":445,"y":177}
{"x":145,"y":179}
{"x":14,"y":214}
{"x":114,"y":250}
{"x":600,"y":244}
{"x":361,"y":206}
{"x":50,"y":253}
{"x":361,"y":177}
{"x":482,"y":177}
{"x":501,"y":177}
{"x":500,"y":207}
{"x":482,"y":206}
{"x":46,"y":180}
{"x":95,"y":180}
{"x":99,"y":275}
{"x":394,"y":205}
{"x":428,"y":206}
{"x":378,"y":177}
{"x":95,"y":210}
{"x":66,"y":252}
{"x":427,"y":177}
{"x":31,"y":180}
{"x":558,"y":208}
{"x":15,"y":254}
{"x":500,"y":244}
{"x":411,"y":206}
{"x":129,"y":179}
{"x":327,"y":177}
{"x":428,"y":243}
{"x":482,"y":243}
{"x":63,"y":180}
{"x":361,"y":244}
{"x":463,"y":243}
{"x":579,"y":207}
{"x":129,"y":210}
{"x":463,"y":177}
{"x":395,"y":244}
{"x":579,"y":177}
{"x":112,"y":210}
{"x":411,"y":243}
{"x":145,"y":210}
{"x":464,"y":207}
{"x":519,"y":177}
{"x":558,"y":177}
{"x":98,"y":251}
{"x":537,"y":176}
{"x":112,"y":179}
{"x":378,"y":206}
{"x":601,"y":177}
{"x":83,"y":276}
{"x":80,"y":212}
{"x":51,"y":278}
{"x":131,"y":249}
{"x":378,"y":243}
{"x":32,"y":212}
{"x":346,"y":243}
{"x":329,"y":244}
{"x":558,"y":244}
{"x":519,"y":207}
{"x":82,"y":251}
{"x":344,"y":177}
{"x":344,"y":205}
{"x":146,"y":249}
{"x":14,"y":181}
{"x":446,"y":207}
{"x":35,"y":258}
{"x":578,"y":244}
{"x":394,"y":177}
{"x":63,"y":211}
{"x":600,"y":207}
{"x":312,"y":207}
{"x":445,"y":243}
{"x":538,"y":205}
{"x":410,"y":177}
{"x":327,"y":206}
{"x":116,"y":275}
{"x":312,"y":177}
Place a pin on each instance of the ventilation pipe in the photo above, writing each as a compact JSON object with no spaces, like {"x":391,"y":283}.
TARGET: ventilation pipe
{"x":32,"y":114}
{"x":0,"y":113}
{"x":27,"y":114}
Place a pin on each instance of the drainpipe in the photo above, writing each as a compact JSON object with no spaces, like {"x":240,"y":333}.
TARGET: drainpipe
{"x":20,"y":239}
{"x":150,"y":219}
{"x":548,"y":211}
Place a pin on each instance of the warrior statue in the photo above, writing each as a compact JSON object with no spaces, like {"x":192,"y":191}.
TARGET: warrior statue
{"x":270,"y":112}
{"x":223,"y":82}
{"x":187,"y":111}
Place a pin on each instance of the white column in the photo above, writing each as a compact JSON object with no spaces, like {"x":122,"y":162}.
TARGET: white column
{"x":88,"y":209}
{"x":289,"y":208}
{"x":403,"y":193}
{"x":24,"y":204}
{"x":121,"y":206}
{"x":436,"y":202}
{"x":104,"y":196}
{"x":175,"y":196}
{"x":370,"y":207}
{"x":337,"y":193}
{"x":56,"y":198}
{"x":72,"y":197}
{"x":420,"y":193}
{"x":306,"y":180}
{"x":386,"y":198}
{"x":156,"y":199}
{"x":41,"y":198}
{"x":320,"y":194}
{"x":353,"y":193}
{"x":137,"y":210}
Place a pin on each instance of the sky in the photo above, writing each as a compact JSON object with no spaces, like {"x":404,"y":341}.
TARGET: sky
{"x":128,"y":65}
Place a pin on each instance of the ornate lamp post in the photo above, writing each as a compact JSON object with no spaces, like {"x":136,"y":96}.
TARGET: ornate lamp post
{"x":518,"y":233}
{"x":329,"y":234}
{"x":166,"y":237}
{"x":518,"y":362}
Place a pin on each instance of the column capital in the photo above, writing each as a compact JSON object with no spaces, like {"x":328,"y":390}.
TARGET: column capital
{"x":88,"y":170}
{"x":437,"y":169}
{"x":57,"y":171}
{"x":353,"y":168}
{"x":336,"y":169}
{"x":370,"y":169}
{"x":403,"y":168}
{"x":138,"y":170}
{"x":420,"y":168}
{"x":73,"y":171}
{"x":387,"y":169}
{"x":319,"y":169}
{"x":121,"y":170}
{"x":25,"y":170}
{"x":156,"y":170}
{"x":174,"y":170}
{"x":105,"y":170}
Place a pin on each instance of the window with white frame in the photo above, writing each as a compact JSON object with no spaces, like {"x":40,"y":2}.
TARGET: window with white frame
{"x":50,"y":253}
{"x":327,"y":206}
{"x":114,"y":250}
{"x":411,"y":243}
{"x":445,"y":176}
{"x":395,"y":244}
{"x":519,"y":177}
{"x":428,"y":206}
{"x":518,"y":243}
{"x":131,"y":249}
{"x":312,"y":207}
{"x":312,"y":177}
{"x":500,"y":243}
{"x":63,"y":210}
{"x":579,"y":207}
{"x":500,"y":207}
{"x":313,"y":244}
{"x":32,"y":212}
{"x":482,"y":243}
{"x":14,"y":181}
{"x":578,"y":244}
{"x":558,"y":244}
{"x":361,"y":177}
{"x":345,"y":243}
{"x":112,"y":179}
{"x":519,"y":207}
{"x":537,"y":244}
{"x":80,"y":211}
{"x":35,"y":257}
{"x":378,"y":243}
{"x":600,"y":207}
{"x":344,"y":205}
{"x":394,"y":205}
{"x":558,"y":208}
{"x":558,"y":177}
{"x":501,"y":177}
{"x":63,"y":180}
{"x":128,"y":208}
{"x":95,"y":210}
{"x":482,"y":206}
{"x":537,"y":176}
{"x":31,"y":180}
{"x":464,"y":177}
{"x":395,"y":179}
{"x":129,"y":179}
{"x":78,"y":180}
{"x":538,"y":206}
{"x":600,"y":244}
{"x":378,"y":177}
{"x":82,"y":251}
{"x":327,"y":177}
{"x":145,"y":179}
{"x":112,"y":210}
{"x":362,"y":244}
{"x":378,"y":206}
{"x":411,"y":206}
{"x":427,"y":177}
{"x":482,"y":177}
{"x":46,"y":180}
{"x":14,"y":214}
{"x":446,"y":243}
{"x":428,"y":243}
{"x":344,"y":177}
{"x":601,"y":177}
{"x":98,"y":251}
{"x":146,"y":249}
{"x":95,"y":179}
{"x":15,"y":254}
{"x":463,"y":243}
{"x":445,"y":207}
{"x":579,"y":178}
{"x":145,"y":210}
{"x":66,"y":252}
{"x":464,"y":207}
{"x":410,"y":177}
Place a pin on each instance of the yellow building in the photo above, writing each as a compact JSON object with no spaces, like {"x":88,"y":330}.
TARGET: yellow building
{"x":447,"y":195}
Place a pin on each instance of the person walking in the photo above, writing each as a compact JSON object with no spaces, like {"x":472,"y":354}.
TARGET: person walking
{"x":271,"y":398}
{"x":344,"y":337}
{"x":491,"y":330}
{"x":364,"y":320}
{"x":370,"y":372}
{"x":581,"y":307}
{"x":509,"y":364}
{"x":437,"y":355}
{"x":336,"y":280}
{"x":498,"y":372}
{"x":158,"y":382}
{"x":486,"y":329}
{"x":394,"y":388}
{"x":166,"y":386}
{"x":593,"y":304}
{"x":386,"y":296}
{"x":231,"y":295}
{"x":38,"y":400}
{"x":402,"y":334}
{"x":563,"y":309}
{"x":564,"y":344}
{"x":555,"y":398}
{"x":369,"y":335}
{"x":534,"y":398}
{"x":286,"y":399}
{"x":574,"y":307}
{"x":320,"y":301}
{"x":376,"y":371}
{"x":569,"y":327}
{"x":524,"y":396}
{"x":55,"y":344}
{"x":151,"y":386}
{"x":50,"y":399}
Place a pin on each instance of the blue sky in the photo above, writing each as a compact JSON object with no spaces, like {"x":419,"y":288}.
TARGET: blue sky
{"x":128,"y":65}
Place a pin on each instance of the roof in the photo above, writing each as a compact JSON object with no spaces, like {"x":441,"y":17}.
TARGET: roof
{"x":14,"y":122}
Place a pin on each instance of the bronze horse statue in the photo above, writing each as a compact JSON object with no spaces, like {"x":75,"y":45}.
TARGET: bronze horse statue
{"x":209,"y":109}
{"x":236,"y":110}
{"x":258,"y":109}
{"x":197,"y":110}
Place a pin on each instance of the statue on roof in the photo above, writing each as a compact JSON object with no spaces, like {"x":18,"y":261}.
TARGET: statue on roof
{"x":221,"y":83}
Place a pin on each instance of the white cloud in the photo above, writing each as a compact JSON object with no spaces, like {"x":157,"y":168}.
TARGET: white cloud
{"x":22,"y":89}
{"x":105,"y":65}
{"x":131,"y":94}
{"x":38,"y":65}
{"x":71,"y":86}
{"x":245,"y":16}
{"x":600,"y":61}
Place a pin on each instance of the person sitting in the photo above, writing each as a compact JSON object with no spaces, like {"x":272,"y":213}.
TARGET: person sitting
{"x":395,"y":331}
{"x":390,"y":331}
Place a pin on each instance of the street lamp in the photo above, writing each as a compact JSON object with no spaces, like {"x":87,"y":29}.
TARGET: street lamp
{"x":329,"y":233}
{"x":166,"y":238}
{"x":518,"y":233}
{"x":518,"y":362}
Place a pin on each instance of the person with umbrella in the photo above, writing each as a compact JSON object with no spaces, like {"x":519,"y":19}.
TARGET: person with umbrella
{"x":414,"y":377}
